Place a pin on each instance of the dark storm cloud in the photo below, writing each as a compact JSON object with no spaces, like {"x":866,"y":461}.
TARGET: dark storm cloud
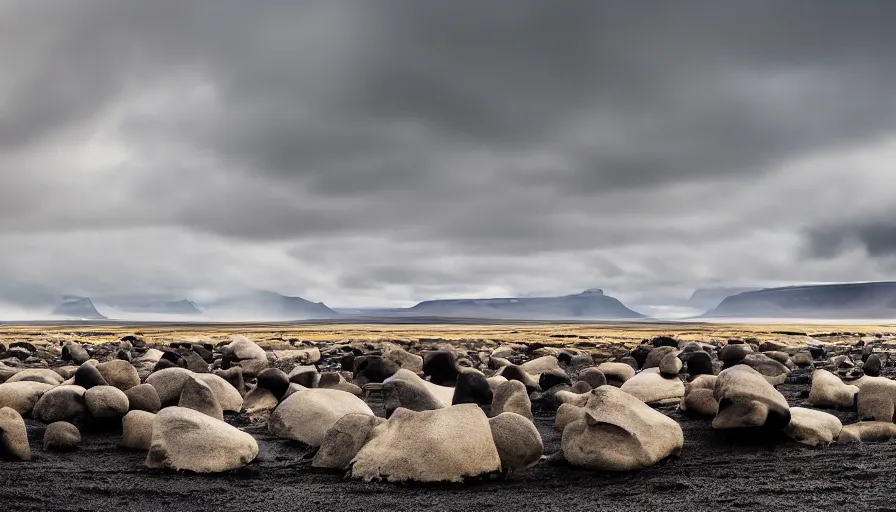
{"x":877,"y":237}
{"x":537,"y":145}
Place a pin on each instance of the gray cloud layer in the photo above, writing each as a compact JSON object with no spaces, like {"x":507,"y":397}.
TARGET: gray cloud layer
{"x":396,"y":150}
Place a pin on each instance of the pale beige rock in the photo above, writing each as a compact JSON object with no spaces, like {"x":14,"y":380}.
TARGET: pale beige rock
{"x":616,"y":371}
{"x":62,"y":403}
{"x":22,"y":395}
{"x":876,"y":399}
{"x":137,"y":430}
{"x":44,"y":375}
{"x":184,"y":439}
{"x":747,"y":399}
{"x":120,"y":374}
{"x":699,"y":402}
{"x":619,"y":433}
{"x":228,"y":397}
{"x":309,"y":355}
{"x":540,"y":365}
{"x":259,"y":403}
{"x":344,"y":440}
{"x":512,"y":397}
{"x":198,"y":396}
{"x":651,"y":387}
{"x":306,"y":415}
{"x":170,"y":382}
{"x":829,"y":391}
{"x":106,"y":402}
{"x":518,"y":442}
{"x":13,"y":435}
{"x":867,"y":431}
{"x":443,"y":445}
{"x":61,"y":436}
{"x":813,"y":428}
{"x":251,"y":357}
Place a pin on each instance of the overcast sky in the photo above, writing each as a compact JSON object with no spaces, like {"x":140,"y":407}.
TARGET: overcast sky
{"x":380,"y":152}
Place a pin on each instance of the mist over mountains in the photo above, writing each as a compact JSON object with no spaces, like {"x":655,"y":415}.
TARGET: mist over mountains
{"x":873,"y":301}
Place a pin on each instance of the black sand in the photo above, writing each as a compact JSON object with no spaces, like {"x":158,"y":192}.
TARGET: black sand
{"x":712,"y":474}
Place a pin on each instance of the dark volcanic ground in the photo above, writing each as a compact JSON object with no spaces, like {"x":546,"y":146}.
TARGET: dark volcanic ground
{"x":712,"y":474}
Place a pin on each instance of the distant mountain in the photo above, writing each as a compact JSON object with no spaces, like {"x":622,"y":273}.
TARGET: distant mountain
{"x":831,"y":301}
{"x":590,"y":305}
{"x":78,"y":308}
{"x":706,"y":299}
{"x":150,"y":304}
{"x":265,"y":305}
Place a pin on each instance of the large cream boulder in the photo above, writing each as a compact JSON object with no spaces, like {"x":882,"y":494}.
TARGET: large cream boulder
{"x":443,"y":445}
{"x":876,"y":399}
{"x":120,"y":374}
{"x":867,"y":431}
{"x":616,"y":372}
{"x":136,"y":430}
{"x":773,"y":371}
{"x":44,"y":375}
{"x":540,"y":365}
{"x":245,"y":353}
{"x":198,"y":396}
{"x":259,"y":403}
{"x":22,"y":395}
{"x":402,"y":357}
{"x":511,"y":396}
{"x":650,"y":387}
{"x":344,"y":440}
{"x":13,"y":436}
{"x":62,"y":403}
{"x":227,"y":396}
{"x":618,"y":432}
{"x":406,"y":389}
{"x":169,"y":384}
{"x":813,"y":428}
{"x":518,"y":442}
{"x":746,"y":399}
{"x":187,"y":440}
{"x":106,"y":402}
{"x":306,"y":415}
{"x":829,"y":391}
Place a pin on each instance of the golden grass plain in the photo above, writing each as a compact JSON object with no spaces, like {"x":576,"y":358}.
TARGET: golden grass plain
{"x":276,"y":334}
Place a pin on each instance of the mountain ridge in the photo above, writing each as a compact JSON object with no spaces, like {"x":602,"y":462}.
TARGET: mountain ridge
{"x":872,"y":300}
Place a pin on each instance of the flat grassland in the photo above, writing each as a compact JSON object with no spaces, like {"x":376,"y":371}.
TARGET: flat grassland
{"x":277,"y":334}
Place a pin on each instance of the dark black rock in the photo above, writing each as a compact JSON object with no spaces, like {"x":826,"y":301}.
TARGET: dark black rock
{"x":472,"y":388}
{"x":872,"y":366}
{"x":699,"y":363}
{"x":733,"y":354}
{"x":441,"y":368}
{"x":373,"y":369}
{"x":274,"y":380}
{"x":640,"y":354}
{"x":87,"y":376}
{"x":552,"y":378}
{"x":664,"y":341}
{"x":816,"y":351}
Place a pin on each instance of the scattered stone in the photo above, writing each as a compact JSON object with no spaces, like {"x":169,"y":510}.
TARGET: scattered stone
{"x":184,"y":439}
{"x":62,"y":403}
{"x":13,"y":436}
{"x":61,"y":436}
{"x":143,"y":398}
{"x":106,"y":402}
{"x":136,"y":429}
